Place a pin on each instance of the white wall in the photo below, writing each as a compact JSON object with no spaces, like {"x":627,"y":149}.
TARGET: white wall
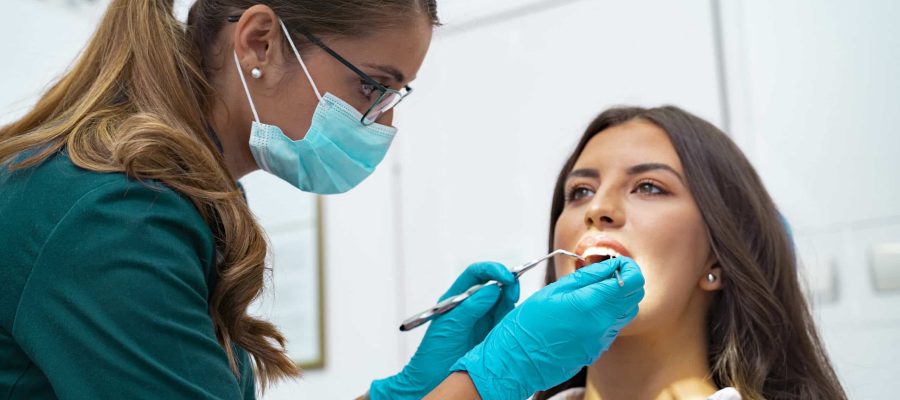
{"x":507,"y":89}
{"x":815,"y":88}
{"x":40,"y":39}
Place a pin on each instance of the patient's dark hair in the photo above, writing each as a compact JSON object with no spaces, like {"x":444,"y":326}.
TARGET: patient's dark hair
{"x":762,"y":338}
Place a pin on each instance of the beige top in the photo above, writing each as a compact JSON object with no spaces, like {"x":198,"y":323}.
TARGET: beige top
{"x":578,"y":394}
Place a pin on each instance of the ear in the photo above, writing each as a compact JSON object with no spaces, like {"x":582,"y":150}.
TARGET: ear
{"x":257,"y":40}
{"x":711,"y":280}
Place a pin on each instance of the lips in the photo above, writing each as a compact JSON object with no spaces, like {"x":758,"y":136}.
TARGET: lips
{"x":598,"y":248}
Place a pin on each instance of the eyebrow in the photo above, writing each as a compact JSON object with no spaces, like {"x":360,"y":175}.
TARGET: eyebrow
{"x":395,"y":74}
{"x":641,"y":168}
{"x":584,"y":173}
{"x":633,"y":170}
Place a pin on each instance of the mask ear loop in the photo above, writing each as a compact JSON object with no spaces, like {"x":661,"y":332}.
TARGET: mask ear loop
{"x":302,"y":64}
{"x":246,"y":89}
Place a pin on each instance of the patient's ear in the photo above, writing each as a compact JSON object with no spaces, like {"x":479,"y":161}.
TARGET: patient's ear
{"x":711,"y":280}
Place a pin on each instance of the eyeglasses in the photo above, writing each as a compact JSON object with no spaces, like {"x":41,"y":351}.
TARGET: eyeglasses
{"x":387,"y":98}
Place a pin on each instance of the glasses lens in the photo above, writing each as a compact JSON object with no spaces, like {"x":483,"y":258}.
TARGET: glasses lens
{"x":385,"y":103}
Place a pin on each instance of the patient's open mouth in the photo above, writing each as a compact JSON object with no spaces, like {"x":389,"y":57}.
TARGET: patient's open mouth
{"x":595,"y":255}
{"x":594,"y":249}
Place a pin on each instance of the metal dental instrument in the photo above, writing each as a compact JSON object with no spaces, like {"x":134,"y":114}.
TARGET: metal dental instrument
{"x":451,"y":302}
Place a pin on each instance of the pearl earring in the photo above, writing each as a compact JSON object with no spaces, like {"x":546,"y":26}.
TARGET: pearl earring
{"x":256,"y":73}
{"x":710,"y":277}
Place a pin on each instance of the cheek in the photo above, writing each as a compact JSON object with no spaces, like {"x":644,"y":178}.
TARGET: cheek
{"x":290,"y":107}
{"x":387,"y":118}
{"x":296,"y":121}
{"x":332,"y":77}
{"x":673,"y":251}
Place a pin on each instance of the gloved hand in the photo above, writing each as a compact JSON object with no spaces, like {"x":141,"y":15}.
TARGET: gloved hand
{"x":453,"y":334}
{"x":554,"y":333}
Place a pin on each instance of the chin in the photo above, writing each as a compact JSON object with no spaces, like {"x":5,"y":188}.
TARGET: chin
{"x":636,"y":327}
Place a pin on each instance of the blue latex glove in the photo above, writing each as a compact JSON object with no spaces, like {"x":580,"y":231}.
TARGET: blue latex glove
{"x":453,"y":334}
{"x":557,"y":331}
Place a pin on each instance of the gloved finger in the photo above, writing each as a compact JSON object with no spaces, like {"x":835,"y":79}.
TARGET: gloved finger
{"x":604,"y":292}
{"x":478,"y":273}
{"x":475,"y":307}
{"x":509,"y":295}
{"x":624,"y":317}
{"x":631,"y":275}
{"x":511,"y":292}
{"x":588,"y":275}
{"x":607,"y":298}
{"x":629,"y":271}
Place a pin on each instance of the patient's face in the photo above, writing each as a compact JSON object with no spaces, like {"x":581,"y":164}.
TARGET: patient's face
{"x":626,"y":195}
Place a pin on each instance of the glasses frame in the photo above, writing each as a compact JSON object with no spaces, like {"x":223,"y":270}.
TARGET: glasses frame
{"x":383,"y":90}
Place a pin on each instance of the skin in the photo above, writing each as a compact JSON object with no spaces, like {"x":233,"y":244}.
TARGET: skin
{"x":662,"y":353}
{"x":458,"y":386}
{"x":284,"y":96}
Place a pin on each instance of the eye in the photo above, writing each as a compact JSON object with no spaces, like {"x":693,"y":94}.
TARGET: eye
{"x":578,"y":193}
{"x":367,"y":89}
{"x":649,"y":188}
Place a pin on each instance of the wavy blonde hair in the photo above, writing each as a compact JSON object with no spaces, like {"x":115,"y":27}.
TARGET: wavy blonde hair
{"x":130,"y":107}
{"x":136,"y":102}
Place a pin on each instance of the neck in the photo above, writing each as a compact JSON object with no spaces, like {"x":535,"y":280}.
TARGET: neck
{"x":668,"y":363}
{"x":233,"y":131}
{"x":230,"y":120}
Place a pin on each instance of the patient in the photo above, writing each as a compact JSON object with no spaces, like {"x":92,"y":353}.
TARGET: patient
{"x":724,"y":316}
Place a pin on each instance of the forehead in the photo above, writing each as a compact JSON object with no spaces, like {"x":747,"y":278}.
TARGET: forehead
{"x":402,"y":47}
{"x":632,"y":143}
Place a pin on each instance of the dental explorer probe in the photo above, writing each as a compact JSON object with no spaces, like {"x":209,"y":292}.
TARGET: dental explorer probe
{"x":451,"y":302}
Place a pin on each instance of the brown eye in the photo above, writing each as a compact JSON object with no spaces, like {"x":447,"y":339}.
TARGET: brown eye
{"x":648,"y":188}
{"x":578,"y":193}
{"x":367,"y":89}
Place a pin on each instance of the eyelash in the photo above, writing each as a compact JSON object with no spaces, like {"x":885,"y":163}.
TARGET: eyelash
{"x":571,"y":194}
{"x":367,"y":87}
{"x":650,"y":182}
{"x":369,"y":91}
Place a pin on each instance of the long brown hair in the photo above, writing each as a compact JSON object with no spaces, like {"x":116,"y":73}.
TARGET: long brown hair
{"x":136,"y":101}
{"x":762,"y":339}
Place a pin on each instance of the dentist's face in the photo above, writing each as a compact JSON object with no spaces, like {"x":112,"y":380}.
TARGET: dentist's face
{"x":284,"y":96}
{"x":391,"y":57}
{"x":627,"y":195}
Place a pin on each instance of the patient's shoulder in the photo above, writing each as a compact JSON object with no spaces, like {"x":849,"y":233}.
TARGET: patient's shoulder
{"x":728,"y":393}
{"x":578,"y":394}
{"x":569,"y":394}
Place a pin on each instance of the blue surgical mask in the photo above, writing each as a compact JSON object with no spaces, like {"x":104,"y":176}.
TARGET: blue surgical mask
{"x":337,"y":153}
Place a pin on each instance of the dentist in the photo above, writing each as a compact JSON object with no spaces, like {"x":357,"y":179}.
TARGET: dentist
{"x":130,"y":254}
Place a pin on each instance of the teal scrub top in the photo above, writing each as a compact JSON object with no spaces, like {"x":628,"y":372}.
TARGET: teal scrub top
{"x":104,"y":290}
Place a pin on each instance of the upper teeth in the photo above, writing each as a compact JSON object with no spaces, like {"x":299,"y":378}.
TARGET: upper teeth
{"x":601,"y":251}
